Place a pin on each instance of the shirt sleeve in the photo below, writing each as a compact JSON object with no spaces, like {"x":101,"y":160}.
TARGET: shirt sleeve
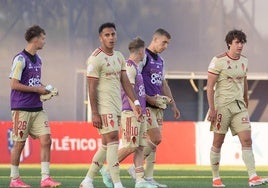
{"x":214,"y":66}
{"x":131,"y":73}
{"x":93,"y":67}
{"x":17,"y":67}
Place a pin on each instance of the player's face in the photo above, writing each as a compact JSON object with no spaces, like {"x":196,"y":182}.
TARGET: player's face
{"x":161,"y":43}
{"x":236,"y":47}
{"x":108,"y":38}
{"x":40,"y":41}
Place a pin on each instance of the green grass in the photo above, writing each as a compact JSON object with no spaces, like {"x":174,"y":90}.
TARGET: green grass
{"x":175,"y":176}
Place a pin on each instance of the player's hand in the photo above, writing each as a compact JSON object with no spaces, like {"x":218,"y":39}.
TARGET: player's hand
{"x":151,"y":100}
{"x":52,"y":91}
{"x":96,"y":120}
{"x":138,"y":113}
{"x":212,"y":115}
{"x":176,"y":112}
{"x":161,"y":101}
{"x":42,"y":90}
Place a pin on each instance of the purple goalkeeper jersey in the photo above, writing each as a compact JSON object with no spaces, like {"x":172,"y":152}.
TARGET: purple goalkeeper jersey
{"x":138,"y":88}
{"x":31,"y":76}
{"x":152,"y":73}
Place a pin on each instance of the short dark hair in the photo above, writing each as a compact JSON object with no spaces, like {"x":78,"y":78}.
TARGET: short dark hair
{"x":33,"y":31}
{"x":106,"y":25}
{"x":235,"y":34}
{"x":135,"y":44}
{"x":161,"y":31}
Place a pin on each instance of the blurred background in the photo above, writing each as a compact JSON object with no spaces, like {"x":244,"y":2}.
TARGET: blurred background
{"x":198,"y":29}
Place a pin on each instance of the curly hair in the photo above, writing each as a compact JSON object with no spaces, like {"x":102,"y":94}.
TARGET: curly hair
{"x":235,"y":34}
{"x":33,"y":31}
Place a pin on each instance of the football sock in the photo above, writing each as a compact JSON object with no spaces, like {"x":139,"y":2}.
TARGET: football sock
{"x":97,"y":162}
{"x":149,"y":148}
{"x":118,"y":185}
{"x":248,"y":158}
{"x":14,"y":172}
{"x":112,"y":160}
{"x":139,"y":173}
{"x":150,"y":161}
{"x":146,"y":151}
{"x":45,"y":170}
{"x":215,"y":163}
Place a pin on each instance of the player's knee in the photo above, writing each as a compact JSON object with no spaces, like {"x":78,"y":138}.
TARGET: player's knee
{"x":18,"y":146}
{"x":46,"y":142}
{"x":156,"y":141}
{"x":246,"y":142}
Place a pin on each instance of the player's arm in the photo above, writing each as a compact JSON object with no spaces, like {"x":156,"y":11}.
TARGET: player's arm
{"x":211,"y":81}
{"x":131,"y":74}
{"x":167,"y":92}
{"x":16,"y":85}
{"x":94,"y":69}
{"x":93,"y":98}
{"x":246,"y":91}
{"x":128,"y":88}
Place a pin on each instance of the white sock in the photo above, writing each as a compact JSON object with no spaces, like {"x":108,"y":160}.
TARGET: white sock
{"x":45,"y":170}
{"x":118,"y":185}
{"x":88,"y":179}
{"x":14,"y":172}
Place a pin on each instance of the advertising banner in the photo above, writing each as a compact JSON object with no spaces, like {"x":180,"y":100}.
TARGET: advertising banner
{"x":77,"y":142}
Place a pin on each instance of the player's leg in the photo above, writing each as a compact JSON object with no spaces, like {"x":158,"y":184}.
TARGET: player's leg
{"x":220,"y":128}
{"x":20,"y":121}
{"x":154,"y":119}
{"x":111,"y":122}
{"x":154,"y":138}
{"x":241,"y":127}
{"x":215,"y":157}
{"x":97,"y":162}
{"x":129,"y":128}
{"x":138,"y":155}
{"x":40,"y":129}
{"x":130,"y":134}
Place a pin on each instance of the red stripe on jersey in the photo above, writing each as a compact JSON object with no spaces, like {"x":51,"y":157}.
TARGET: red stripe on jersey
{"x":96,"y":52}
{"x":92,"y":77}
{"x":213,"y":73}
{"x":221,"y":55}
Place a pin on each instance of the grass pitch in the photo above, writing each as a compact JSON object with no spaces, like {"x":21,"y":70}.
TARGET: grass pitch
{"x":175,"y":176}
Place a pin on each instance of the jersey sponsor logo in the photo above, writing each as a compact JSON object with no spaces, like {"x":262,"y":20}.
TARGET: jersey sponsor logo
{"x":34,"y":81}
{"x":156,"y":79}
{"x":141,"y":90}
{"x":113,"y":73}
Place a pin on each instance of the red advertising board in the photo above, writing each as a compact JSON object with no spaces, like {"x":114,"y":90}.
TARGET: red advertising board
{"x":77,"y":142}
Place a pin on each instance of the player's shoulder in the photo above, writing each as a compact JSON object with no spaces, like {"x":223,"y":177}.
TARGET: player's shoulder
{"x":222,"y":55}
{"x":118,"y":54}
{"x":96,"y":52}
{"x":19,"y":58}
